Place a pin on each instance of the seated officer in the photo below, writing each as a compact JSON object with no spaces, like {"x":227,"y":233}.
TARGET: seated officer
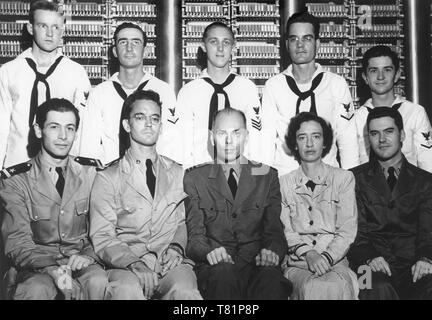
{"x":138,"y":219}
{"x":46,"y":205}
{"x":235,"y":234}
{"x":394,"y":200}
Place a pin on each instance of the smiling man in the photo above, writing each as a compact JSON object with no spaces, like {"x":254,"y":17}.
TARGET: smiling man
{"x":235,"y":235}
{"x":394,"y":200}
{"x":46,"y":222}
{"x":39,"y":73}
{"x":138,"y":219}
{"x":100,"y":136}
{"x":306,"y":86}
{"x":381,"y":72}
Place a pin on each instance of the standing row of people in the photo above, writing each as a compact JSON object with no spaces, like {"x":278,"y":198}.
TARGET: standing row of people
{"x":232,"y":228}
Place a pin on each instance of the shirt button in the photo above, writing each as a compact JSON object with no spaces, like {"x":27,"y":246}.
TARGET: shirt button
{"x":36,"y":217}
{"x":311,"y":222}
{"x":310,"y":208}
{"x":234,"y":215}
{"x":63,"y":234}
{"x":314,"y":242}
{"x":314,"y":234}
{"x":61,"y":212}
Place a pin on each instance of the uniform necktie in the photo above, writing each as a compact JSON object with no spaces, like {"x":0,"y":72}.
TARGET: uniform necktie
{"x":218,"y":89}
{"x":124,"y":139}
{"x":60,"y":181}
{"x":40,"y":77}
{"x":232,"y":182}
{"x":394,"y":107}
{"x":151,"y":179}
{"x":311,"y":185}
{"x":304,"y":95}
{"x":122,"y":93}
{"x":391,"y":179}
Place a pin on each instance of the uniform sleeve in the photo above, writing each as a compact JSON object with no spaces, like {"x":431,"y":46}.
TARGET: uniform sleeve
{"x":424,"y":240}
{"x":103,"y":222}
{"x":270,"y":122}
{"x":91,"y":128}
{"x":5,"y":112}
{"x":198,"y":245}
{"x":423,"y":140}
{"x":258,"y":147}
{"x":346,"y":220}
{"x":170,"y":142}
{"x":186,"y":119}
{"x":16,"y":230}
{"x":273,"y":232}
{"x":360,"y":120}
{"x":296,"y":245}
{"x":345,"y":130}
{"x":180,"y":237}
{"x":82,"y":89}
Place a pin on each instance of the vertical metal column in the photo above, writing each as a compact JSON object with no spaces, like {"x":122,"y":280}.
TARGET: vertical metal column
{"x":418,"y":52}
{"x":169,"y":42}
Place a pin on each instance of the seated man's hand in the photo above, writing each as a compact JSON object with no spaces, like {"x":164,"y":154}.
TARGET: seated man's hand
{"x":317,"y":263}
{"x":378,"y":264}
{"x":78,"y":262}
{"x":420,"y":269}
{"x":148,"y":279}
{"x":219,"y":255}
{"x":267,"y":258}
{"x":171,"y":259}
{"x":70,"y":288}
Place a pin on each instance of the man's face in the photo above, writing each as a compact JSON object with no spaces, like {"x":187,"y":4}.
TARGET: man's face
{"x":144,"y":124}
{"x":301,"y":43}
{"x":58,"y":133}
{"x":381,"y":75}
{"x":47,"y":29}
{"x":385,"y":138}
{"x":229,"y":135}
{"x":310,"y":141}
{"x":129,"y":48}
{"x":219,"y":46}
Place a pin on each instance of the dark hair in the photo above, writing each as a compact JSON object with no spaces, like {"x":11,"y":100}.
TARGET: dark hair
{"x":380,"y":112}
{"x":228,"y":111}
{"x":294,"y":126}
{"x":303,"y":17}
{"x":124,"y":142}
{"x":55,"y":104}
{"x":201,"y":55}
{"x":379,"y":51}
{"x":129,"y":25}
{"x":43,"y":5}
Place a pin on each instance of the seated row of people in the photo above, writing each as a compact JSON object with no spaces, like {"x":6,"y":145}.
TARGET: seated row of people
{"x":230,"y":229}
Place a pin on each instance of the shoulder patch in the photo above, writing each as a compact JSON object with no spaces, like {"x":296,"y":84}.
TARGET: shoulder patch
{"x":89,"y":162}
{"x":14,"y":170}
{"x":109,"y":164}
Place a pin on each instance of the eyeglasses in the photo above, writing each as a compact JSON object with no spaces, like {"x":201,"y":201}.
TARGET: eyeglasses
{"x":154,"y":119}
{"x":304,"y":39}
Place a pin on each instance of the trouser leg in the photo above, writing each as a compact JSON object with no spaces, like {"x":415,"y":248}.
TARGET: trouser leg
{"x":268,"y":283}
{"x":34,"y":286}
{"x":179,"y":283}
{"x":94,"y":281}
{"x":123,"y":285}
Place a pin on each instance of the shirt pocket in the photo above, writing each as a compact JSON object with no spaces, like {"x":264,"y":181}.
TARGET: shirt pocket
{"x":170,"y":202}
{"x":81,"y":217}
{"x":213,"y":210}
{"x":41,"y":223}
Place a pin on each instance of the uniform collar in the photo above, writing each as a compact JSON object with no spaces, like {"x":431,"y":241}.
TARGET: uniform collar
{"x":147,"y":76}
{"x":28,"y":53}
{"x":398,"y":99}
{"x":321,"y":179}
{"x":39,"y":165}
{"x":204,"y":73}
{"x":319,"y":69}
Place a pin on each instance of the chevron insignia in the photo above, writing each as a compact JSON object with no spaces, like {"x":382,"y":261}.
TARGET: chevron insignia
{"x":173,"y":121}
{"x":349,"y":114}
{"x":256,"y":124}
{"x":427,"y":147}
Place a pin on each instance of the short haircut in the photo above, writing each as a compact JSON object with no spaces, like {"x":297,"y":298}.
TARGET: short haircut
{"x":294,"y":126}
{"x":124,"y":142}
{"x":381,"y":112}
{"x":215,"y":25}
{"x":228,"y":111}
{"x":303,"y":17}
{"x":43,"y":5}
{"x":129,"y":25}
{"x":380,"y":51}
{"x":55,"y":104}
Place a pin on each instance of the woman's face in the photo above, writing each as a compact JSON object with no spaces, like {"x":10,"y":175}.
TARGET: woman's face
{"x":310,"y":141}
